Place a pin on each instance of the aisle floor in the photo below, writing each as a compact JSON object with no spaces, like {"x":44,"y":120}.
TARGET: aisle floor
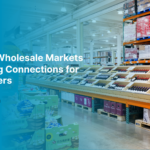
{"x":103,"y":133}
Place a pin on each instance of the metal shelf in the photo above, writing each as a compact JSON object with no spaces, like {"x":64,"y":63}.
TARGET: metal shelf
{"x":137,"y":16}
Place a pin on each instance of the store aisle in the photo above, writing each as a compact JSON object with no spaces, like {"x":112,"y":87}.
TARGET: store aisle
{"x":100,"y":132}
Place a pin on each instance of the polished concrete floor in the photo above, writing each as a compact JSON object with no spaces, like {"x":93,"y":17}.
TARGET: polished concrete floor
{"x":99,"y":132}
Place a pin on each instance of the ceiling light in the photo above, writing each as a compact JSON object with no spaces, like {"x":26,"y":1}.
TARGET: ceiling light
{"x":66,"y":41}
{"x":93,"y":35}
{"x":101,"y":47}
{"x":61,"y":31}
{"x":29,"y":28}
{"x":106,"y":40}
{"x":43,"y":19}
{"x":74,"y":27}
{"x":113,"y":44}
{"x":63,"y":9}
{"x":115,"y":37}
{"x":102,"y":35}
{"x":120,"y":12}
{"x":94,"y":21}
{"x":108,"y":31}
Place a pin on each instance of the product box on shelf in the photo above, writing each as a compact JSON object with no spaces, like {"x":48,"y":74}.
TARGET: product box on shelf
{"x":130,"y":8}
{"x":121,"y":109}
{"x":87,"y":101}
{"x":107,"y":106}
{"x":143,"y":5}
{"x":131,"y":53}
{"x":146,"y":115}
{"x":143,"y":28}
{"x":144,"y":51}
{"x":130,"y":32}
{"x":65,"y":137}
{"x":113,"y":108}
{"x":77,"y":99}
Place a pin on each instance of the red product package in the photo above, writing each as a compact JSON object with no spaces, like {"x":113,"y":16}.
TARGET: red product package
{"x":143,"y":27}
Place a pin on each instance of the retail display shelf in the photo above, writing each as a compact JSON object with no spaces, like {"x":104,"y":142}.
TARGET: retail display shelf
{"x":136,"y":16}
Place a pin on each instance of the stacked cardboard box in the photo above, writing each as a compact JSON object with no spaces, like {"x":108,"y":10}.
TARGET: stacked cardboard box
{"x":130,"y":32}
{"x":131,"y":53}
{"x":143,"y":27}
{"x":144,"y":51}
{"x":146,"y":115}
{"x":143,"y":5}
{"x":130,"y":8}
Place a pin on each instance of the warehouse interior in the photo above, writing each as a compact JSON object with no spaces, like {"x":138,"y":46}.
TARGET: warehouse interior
{"x":107,"y":101}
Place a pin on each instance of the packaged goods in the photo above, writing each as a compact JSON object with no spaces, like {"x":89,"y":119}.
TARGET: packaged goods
{"x":144,"y":51}
{"x":130,"y":32}
{"x":143,"y":28}
{"x":129,"y":8}
{"x":146,"y":115}
{"x":143,"y":5}
{"x":131,"y":53}
{"x":113,"y":108}
{"x":121,"y":109}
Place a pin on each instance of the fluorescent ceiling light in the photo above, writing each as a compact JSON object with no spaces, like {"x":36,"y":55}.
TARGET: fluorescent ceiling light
{"x":63,"y":9}
{"x":101,"y":47}
{"x":66,"y":41}
{"x":43,"y":19}
{"x":29,"y":28}
{"x":120,"y":12}
{"x":115,"y":37}
{"x":61,"y":31}
{"x":94,"y":21}
{"x":113,"y":44}
{"x":93,"y":35}
{"x":102,"y":35}
{"x":108,"y":31}
{"x":106,"y":40}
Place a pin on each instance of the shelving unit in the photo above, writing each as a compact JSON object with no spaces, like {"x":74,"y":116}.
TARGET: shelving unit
{"x":136,"y":42}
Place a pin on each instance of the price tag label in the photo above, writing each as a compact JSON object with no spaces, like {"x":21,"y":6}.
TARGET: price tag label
{"x":146,"y":61}
{"x":137,"y":62}
{"x":130,"y":62}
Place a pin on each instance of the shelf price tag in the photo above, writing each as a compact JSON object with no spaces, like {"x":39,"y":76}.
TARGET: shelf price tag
{"x":146,"y":61}
{"x":130,"y":75}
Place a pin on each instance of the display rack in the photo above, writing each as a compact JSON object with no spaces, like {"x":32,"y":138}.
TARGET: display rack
{"x":97,"y":88}
{"x":136,"y":42}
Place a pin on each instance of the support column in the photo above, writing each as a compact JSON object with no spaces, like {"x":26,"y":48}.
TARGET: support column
{"x":80,"y":40}
{"x":113,"y":57}
{"x":60,"y":96}
{"x":49,"y":44}
{"x":93,"y":105}
{"x":127,"y":114}
{"x":119,"y":49}
{"x":91,"y":52}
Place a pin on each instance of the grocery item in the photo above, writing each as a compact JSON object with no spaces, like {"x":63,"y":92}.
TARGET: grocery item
{"x":143,"y":5}
{"x":130,"y":32}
